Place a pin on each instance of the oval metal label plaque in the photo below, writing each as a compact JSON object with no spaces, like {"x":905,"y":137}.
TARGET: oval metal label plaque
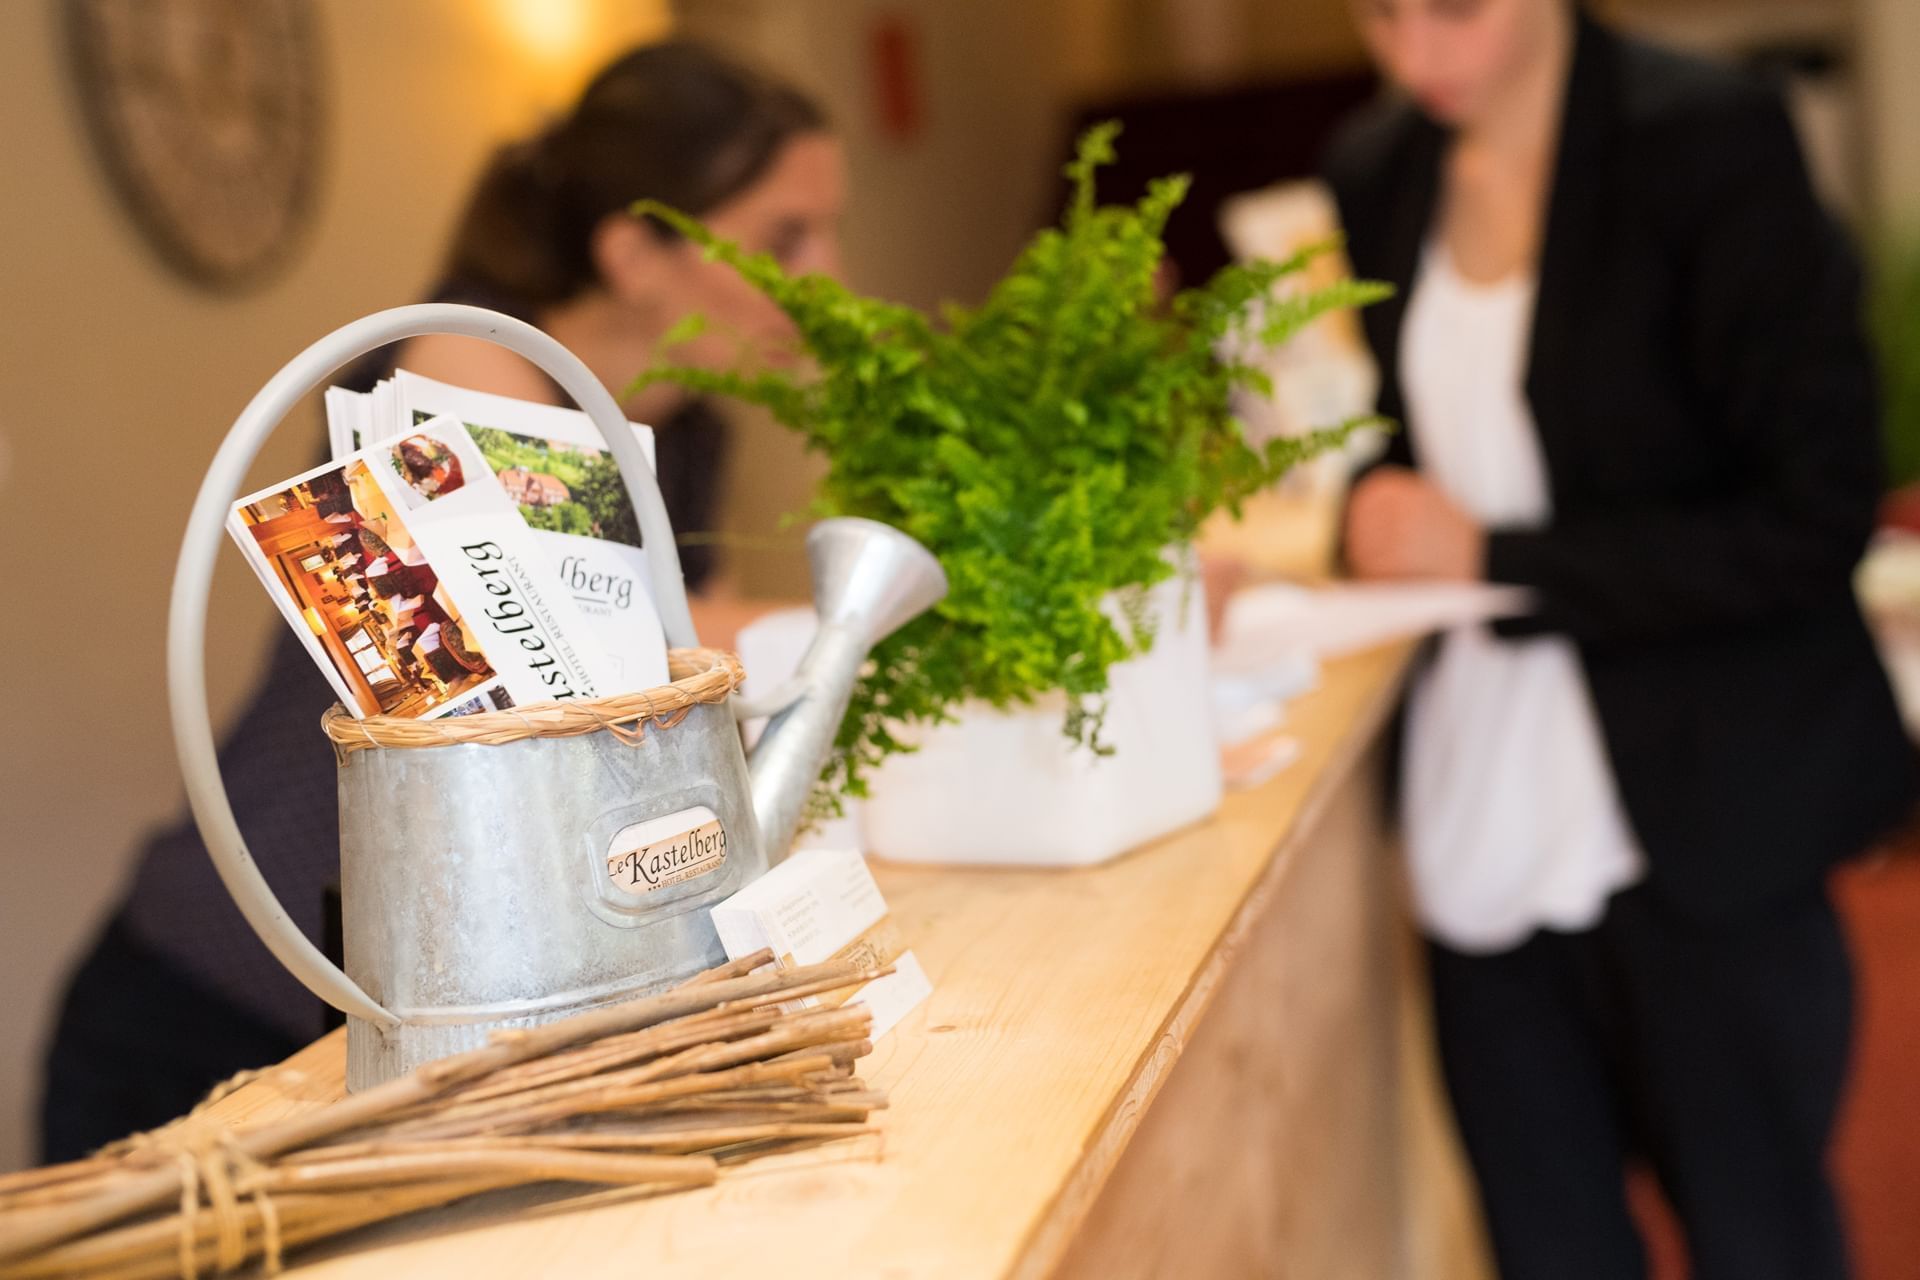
{"x":668,"y":850}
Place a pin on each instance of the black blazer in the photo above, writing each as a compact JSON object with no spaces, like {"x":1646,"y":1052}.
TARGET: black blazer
{"x":1706,"y":410}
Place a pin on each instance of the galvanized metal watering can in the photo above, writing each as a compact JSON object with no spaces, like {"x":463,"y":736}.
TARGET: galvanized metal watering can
{"x":475,"y":878}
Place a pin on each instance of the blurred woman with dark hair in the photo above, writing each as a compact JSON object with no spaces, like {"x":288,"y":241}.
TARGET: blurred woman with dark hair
{"x":1628,"y":358}
{"x":546,"y":238}
{"x":177,"y":993}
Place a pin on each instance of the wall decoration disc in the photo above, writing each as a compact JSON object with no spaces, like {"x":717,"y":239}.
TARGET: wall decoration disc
{"x":207,"y":116}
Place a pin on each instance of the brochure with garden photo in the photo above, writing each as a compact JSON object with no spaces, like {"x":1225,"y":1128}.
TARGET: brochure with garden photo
{"x":418,"y":589}
{"x":555,"y":469}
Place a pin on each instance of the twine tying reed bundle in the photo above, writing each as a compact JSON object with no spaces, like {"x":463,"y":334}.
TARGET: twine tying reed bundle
{"x":699,"y":675}
{"x":654,"y":1094}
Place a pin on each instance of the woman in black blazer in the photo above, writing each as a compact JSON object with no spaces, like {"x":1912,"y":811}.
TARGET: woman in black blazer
{"x":1695,"y":379}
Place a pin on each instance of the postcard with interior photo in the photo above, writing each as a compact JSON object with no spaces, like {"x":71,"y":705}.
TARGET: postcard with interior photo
{"x":554,"y":467}
{"x":416,"y":587}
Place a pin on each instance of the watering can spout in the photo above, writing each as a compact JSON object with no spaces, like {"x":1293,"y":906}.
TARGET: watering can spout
{"x":869,"y":579}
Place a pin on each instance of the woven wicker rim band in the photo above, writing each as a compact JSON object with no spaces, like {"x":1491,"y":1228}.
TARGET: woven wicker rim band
{"x":699,"y":676}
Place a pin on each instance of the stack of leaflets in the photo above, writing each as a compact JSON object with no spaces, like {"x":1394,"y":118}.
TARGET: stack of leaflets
{"x":463,"y":552}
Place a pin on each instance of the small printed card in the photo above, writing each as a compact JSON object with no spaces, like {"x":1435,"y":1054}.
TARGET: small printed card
{"x":555,"y":470}
{"x":416,"y":586}
{"x":822,"y":904}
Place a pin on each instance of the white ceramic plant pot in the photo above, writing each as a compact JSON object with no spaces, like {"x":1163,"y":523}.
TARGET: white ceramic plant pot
{"x":1008,"y":788}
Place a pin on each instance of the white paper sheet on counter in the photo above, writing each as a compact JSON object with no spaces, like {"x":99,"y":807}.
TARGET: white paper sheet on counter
{"x":1270,"y":623}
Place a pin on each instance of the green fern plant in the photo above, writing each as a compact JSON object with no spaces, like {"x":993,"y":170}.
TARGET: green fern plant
{"x":1047,"y":445}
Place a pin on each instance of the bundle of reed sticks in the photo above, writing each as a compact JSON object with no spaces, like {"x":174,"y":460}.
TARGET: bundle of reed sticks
{"x":654,"y":1094}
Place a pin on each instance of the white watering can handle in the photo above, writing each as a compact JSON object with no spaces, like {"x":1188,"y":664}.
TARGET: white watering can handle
{"x":206,"y":530}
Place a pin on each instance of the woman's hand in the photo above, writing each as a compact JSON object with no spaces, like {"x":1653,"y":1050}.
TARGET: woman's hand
{"x":1399,"y":525}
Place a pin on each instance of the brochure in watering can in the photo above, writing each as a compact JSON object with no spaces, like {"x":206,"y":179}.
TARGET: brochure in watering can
{"x":555,"y":468}
{"x":411,"y":578}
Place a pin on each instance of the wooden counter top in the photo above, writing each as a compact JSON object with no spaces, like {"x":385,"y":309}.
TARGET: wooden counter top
{"x":1061,"y":1001}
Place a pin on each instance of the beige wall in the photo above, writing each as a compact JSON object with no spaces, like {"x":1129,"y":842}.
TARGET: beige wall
{"x":117,"y":381}
{"x":1889,"y":41}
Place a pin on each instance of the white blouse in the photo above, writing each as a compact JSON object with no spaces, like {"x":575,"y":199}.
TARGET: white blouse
{"x":1513,"y":820}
